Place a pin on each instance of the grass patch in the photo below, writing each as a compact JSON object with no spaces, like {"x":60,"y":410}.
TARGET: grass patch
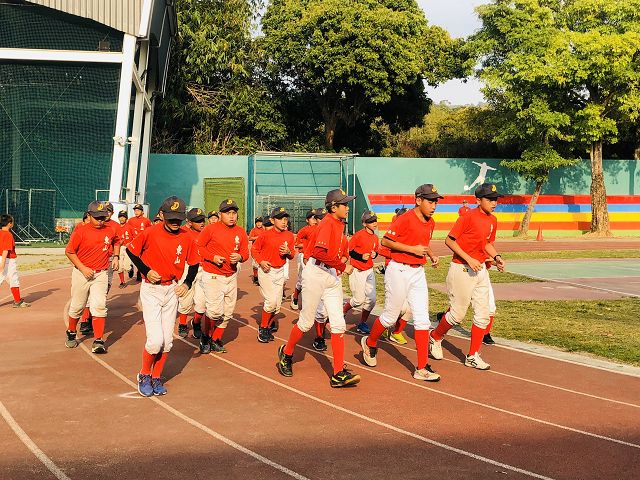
{"x":571,"y":254}
{"x":28,"y":263}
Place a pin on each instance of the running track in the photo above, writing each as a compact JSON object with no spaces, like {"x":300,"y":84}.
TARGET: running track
{"x":71,"y":414}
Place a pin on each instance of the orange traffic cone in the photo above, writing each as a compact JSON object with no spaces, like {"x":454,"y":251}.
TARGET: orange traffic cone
{"x":539,"y":237}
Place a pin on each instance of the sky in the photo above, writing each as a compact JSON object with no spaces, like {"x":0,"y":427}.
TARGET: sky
{"x":459,"y":19}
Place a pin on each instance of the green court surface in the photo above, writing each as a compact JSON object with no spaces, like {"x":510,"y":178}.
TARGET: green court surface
{"x":567,"y":269}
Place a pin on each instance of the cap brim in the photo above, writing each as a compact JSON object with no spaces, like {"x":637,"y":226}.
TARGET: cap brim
{"x":281,"y":215}
{"x":370,"y":220}
{"x":222,"y":210}
{"x":174,"y":215}
{"x":493,"y":196}
{"x":431,"y":196}
{"x":101,"y":213}
{"x":199,"y":218}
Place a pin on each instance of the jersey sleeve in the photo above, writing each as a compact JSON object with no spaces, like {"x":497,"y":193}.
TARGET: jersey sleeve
{"x":323,"y":237}
{"x":494,"y":228}
{"x":137,"y":245}
{"x":459,"y":227}
{"x":202,"y":241}
{"x":291,"y":245}
{"x":5,"y":242}
{"x":244,"y":246}
{"x":193,"y":258}
{"x":396,"y":228}
{"x":256,"y":249}
{"x":74,"y":241}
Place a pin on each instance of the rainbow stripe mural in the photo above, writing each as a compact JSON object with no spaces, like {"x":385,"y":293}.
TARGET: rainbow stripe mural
{"x":552,"y":212}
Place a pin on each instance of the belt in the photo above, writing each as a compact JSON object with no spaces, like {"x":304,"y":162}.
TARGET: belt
{"x":163,"y":283}
{"x":320,"y":264}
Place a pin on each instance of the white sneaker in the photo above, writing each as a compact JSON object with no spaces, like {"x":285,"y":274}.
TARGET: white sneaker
{"x":294,"y":303}
{"x":368,"y":353}
{"x":475,"y":361}
{"x":435,"y":348}
{"x":426,"y":374}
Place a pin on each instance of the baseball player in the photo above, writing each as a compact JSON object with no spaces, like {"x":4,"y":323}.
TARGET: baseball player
{"x":363,"y":248}
{"x":271,"y":251}
{"x":223,"y":246}
{"x":137,"y":224}
{"x":89,"y":250}
{"x":302,"y":239}
{"x":394,"y":334}
{"x":405,"y":280}
{"x":321,"y":282}
{"x":471,"y":240}
{"x":8,"y":262}
{"x":195,"y":224}
{"x":160,"y":253}
{"x":464,"y":208}
{"x":255,"y":232}
{"x":123,"y":233}
{"x":213,"y":217}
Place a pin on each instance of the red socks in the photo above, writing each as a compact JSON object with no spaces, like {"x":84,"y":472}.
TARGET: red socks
{"x":158,"y":366}
{"x":255,"y":273}
{"x":206,"y":326}
{"x":294,"y":338}
{"x":442,"y":329}
{"x":477,"y":334}
{"x":488,"y":329}
{"x":400,"y":324}
{"x":85,"y":315}
{"x":98,"y":327}
{"x":266,"y":319}
{"x":197,"y":317}
{"x":346,"y":307}
{"x":296,"y":293}
{"x":217,"y":333}
{"x":121,"y":275}
{"x":148,"y":360}
{"x":183,"y":318}
{"x":337,"y":346}
{"x":15,"y":291}
{"x":73,"y":324}
{"x":364,"y":315}
{"x":422,"y":346}
{"x":376,"y":331}
{"x":319,"y":328}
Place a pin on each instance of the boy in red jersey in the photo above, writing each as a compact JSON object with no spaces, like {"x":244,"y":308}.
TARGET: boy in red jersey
{"x":363,"y":248}
{"x":464,"y":208}
{"x":89,"y":249}
{"x":123,"y":233}
{"x":471,"y":240}
{"x":223,"y":246}
{"x":194,"y":298}
{"x":8,"y":264}
{"x":302,"y":239}
{"x":161,"y":252}
{"x":405,"y":280}
{"x":213,"y":217}
{"x":255,"y":232}
{"x":321,"y":282}
{"x":271,"y":250}
{"x":137,"y":224}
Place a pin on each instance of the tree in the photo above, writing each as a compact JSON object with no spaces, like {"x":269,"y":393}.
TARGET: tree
{"x":580,"y":57}
{"x":348,"y":57}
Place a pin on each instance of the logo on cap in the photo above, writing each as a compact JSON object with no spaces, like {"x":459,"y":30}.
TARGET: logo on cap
{"x":493,"y":188}
{"x":342,"y":192}
{"x":229,"y":201}
{"x":282,"y":209}
{"x":175,"y":206}
{"x":100,"y":207}
{"x":434,"y":189}
{"x":199,"y":212}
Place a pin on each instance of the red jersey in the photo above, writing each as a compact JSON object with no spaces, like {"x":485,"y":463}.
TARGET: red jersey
{"x":256,"y":232}
{"x":303,"y":237}
{"x":137,"y":225}
{"x":8,"y":243}
{"x":123,"y":233}
{"x":463,"y":210}
{"x":472,"y":232}
{"x":364,"y":242}
{"x":93,"y":246}
{"x":165,"y":252}
{"x":267,"y":247}
{"x":328,"y":244}
{"x":410,"y":230}
{"x":219,"y":239}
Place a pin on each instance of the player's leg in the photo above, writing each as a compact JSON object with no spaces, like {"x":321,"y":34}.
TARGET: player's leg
{"x":295,"y":296}
{"x":79,"y":296}
{"x":11,"y":275}
{"x":319,"y":324}
{"x":199,"y":306}
{"x":269,"y":291}
{"x":480,"y":304}
{"x":214,"y":307}
{"x":369,"y":300}
{"x":229,"y":299}
{"x":488,"y":339}
{"x":168,"y":310}
{"x":98,"y":301}
{"x":357,"y":285}
{"x":152,"y":298}
{"x":185,"y":307}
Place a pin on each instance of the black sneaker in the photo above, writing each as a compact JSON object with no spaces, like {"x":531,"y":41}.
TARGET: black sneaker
{"x":131,"y":272}
{"x":487,"y":340}
{"x":439,"y":316}
{"x":319,"y":344}
{"x":274,"y":326}
{"x":217,"y":346}
{"x":197,"y":329}
{"x":138,"y":277}
{"x":205,"y":344}
{"x":183,"y":330}
{"x":284,"y":363}
{"x":264,"y":335}
{"x":344,"y":378}
{"x":122,"y":285}
{"x":98,"y":346}
{"x":255,"y":281}
{"x":86,"y":328}
{"x":71,"y":341}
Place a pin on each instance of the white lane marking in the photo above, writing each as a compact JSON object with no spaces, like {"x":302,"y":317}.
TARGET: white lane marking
{"x":30,"y":444}
{"x":463,"y":399}
{"x":33,"y":286}
{"x":190,"y":420}
{"x":374,"y":421}
{"x":565,"y":282}
{"x":131,"y":395}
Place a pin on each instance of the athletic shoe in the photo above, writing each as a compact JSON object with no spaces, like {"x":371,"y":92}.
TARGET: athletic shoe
{"x":264,"y":335}
{"x":145,"y":387}
{"x":71,"y":341}
{"x":487,"y":340}
{"x":255,"y":281}
{"x":205,"y":344}
{"x":385,"y":334}
{"x":426,"y":374}
{"x":122,"y":285}
{"x":363,"y":328}
{"x":274,"y":327}
{"x":158,"y":386}
{"x":183,"y":330}
{"x":86,"y":328}
{"x":319,"y":344}
{"x":398,"y":338}
{"x":435,"y":348}
{"x":368,"y":353}
{"x":475,"y":361}
{"x":439,"y":316}
{"x":294,"y":303}
{"x":344,"y":378}
{"x":98,"y":346}
{"x":131,"y":272}
{"x":217,"y":346}
{"x":138,"y":277}
{"x":197,"y":329}
{"x":21,"y":304}
{"x":284,"y":363}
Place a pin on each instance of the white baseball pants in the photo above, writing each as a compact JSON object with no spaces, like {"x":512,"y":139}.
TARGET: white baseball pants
{"x":271,"y":286}
{"x":299,"y":260}
{"x":468,"y":287}
{"x":9,"y":273}
{"x":321,"y":284}
{"x":403,"y":283}
{"x":363,"y":289}
{"x":220,"y":296}
{"x":89,"y":293}
{"x":194,"y":295}
{"x":159,"y":306}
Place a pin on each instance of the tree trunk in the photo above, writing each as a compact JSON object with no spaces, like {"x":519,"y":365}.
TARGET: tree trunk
{"x":599,"y":210}
{"x":330,"y":122}
{"x":524,"y":225}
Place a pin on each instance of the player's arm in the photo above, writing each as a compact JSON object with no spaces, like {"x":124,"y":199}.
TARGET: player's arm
{"x":3,"y":259}
{"x":138,"y":262}
{"x":435,"y":260}
{"x":192,"y":271}
{"x":202,"y":242}
{"x":493,"y":253}
{"x":418,"y":250}
{"x":457,"y":249}
{"x":256,"y":249}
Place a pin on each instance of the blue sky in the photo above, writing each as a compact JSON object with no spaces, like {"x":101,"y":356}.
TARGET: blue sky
{"x":459,"y":19}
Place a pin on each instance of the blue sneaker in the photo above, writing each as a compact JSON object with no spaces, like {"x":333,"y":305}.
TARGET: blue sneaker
{"x":144,"y":385}
{"x":363,"y":328}
{"x":158,"y":387}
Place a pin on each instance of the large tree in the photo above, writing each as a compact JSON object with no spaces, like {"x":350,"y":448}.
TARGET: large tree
{"x":348,"y":58}
{"x":582,"y":57}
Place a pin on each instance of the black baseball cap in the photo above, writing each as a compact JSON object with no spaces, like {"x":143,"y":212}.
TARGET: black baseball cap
{"x":228,"y":204}
{"x":320,"y":213}
{"x":279,"y":212}
{"x":109,"y":206}
{"x":369,"y":217}
{"x":123,"y":213}
{"x":338,"y":197}
{"x":213,"y":213}
{"x":174,"y":208}
{"x":428,"y":191}
{"x":157,"y":218}
{"x":98,"y":209}
{"x":267,"y":222}
{"x":137,"y":206}
{"x":400,"y":211}
{"x":311,"y":213}
{"x":488,"y":190}
{"x":258,"y":219}
{"x":195,"y":215}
